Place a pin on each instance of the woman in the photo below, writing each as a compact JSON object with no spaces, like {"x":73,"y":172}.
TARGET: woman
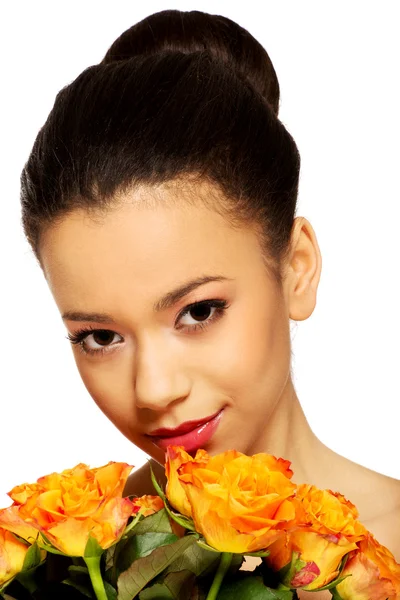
{"x":159,"y":199}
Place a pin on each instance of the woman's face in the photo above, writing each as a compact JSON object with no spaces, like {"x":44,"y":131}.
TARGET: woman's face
{"x":149,"y":360}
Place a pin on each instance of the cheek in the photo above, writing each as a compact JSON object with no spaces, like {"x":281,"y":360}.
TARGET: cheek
{"x":107,"y":384}
{"x":253,"y":359}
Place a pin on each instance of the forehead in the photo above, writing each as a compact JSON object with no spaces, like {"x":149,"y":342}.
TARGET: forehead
{"x":144,"y":246}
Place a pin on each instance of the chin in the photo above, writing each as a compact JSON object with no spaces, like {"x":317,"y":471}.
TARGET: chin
{"x":214,"y":448}
{"x":151,"y":450}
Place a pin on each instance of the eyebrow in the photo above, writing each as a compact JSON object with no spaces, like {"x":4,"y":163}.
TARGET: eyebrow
{"x":163,"y":303}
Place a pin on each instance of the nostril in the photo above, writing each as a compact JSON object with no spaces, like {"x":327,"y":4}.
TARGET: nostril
{"x":158,"y":401}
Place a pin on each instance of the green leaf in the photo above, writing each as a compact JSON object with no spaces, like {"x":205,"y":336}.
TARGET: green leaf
{"x":109,"y":556}
{"x":147,"y":542}
{"x":79,"y":570}
{"x":180,"y":584}
{"x":85,"y":590}
{"x":80,"y":580}
{"x":92,"y":548}
{"x":32,"y":558}
{"x":158,"y":591}
{"x":205,"y":546}
{"x":176,"y":586}
{"x":261,"y":553}
{"x":110,"y":591}
{"x":48,"y":546}
{"x":27,"y":579}
{"x":143,"y":570}
{"x":195,"y":559}
{"x":142,"y":545}
{"x":202,"y":562}
{"x":158,"y":522}
{"x":251,"y":588}
{"x":181,"y":519}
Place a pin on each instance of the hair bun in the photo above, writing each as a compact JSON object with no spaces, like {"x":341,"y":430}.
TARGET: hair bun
{"x":194,"y":31}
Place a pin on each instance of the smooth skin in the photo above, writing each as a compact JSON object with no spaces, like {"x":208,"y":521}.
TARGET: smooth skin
{"x":157,"y":371}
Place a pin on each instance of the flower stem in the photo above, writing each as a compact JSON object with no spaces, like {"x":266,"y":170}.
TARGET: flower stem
{"x":224,"y":564}
{"x":93,"y":565}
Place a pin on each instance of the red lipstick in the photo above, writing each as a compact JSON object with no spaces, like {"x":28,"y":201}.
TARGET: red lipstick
{"x":191,"y":434}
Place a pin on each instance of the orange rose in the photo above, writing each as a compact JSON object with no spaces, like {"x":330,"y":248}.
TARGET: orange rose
{"x":11,"y":520}
{"x":69,"y":506}
{"x":317,"y":557}
{"x":12,"y":556}
{"x":147,"y":505}
{"x":176,"y":456}
{"x":238,"y":503}
{"x":375,"y":574}
{"x":328,"y":512}
{"x":327,"y":530}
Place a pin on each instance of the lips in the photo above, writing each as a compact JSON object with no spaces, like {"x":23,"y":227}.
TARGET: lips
{"x":191,"y":434}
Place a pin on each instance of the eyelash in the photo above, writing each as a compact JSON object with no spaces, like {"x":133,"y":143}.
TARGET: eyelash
{"x":78,"y":338}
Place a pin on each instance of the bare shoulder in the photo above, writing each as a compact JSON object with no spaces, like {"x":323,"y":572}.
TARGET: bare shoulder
{"x":139,"y":482}
{"x":390,"y":485}
{"x":378,"y":502}
{"x":379,"y":494}
{"x":386,"y":529}
{"x":373,"y":493}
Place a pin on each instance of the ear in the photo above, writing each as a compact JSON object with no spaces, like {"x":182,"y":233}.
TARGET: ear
{"x":303,"y":271}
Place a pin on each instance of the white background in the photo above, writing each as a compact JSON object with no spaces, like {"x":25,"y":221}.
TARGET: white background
{"x":338,"y":65}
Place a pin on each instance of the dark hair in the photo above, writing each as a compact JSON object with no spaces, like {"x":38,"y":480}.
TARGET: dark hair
{"x":179,"y":96}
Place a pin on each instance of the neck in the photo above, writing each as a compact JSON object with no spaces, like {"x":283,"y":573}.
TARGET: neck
{"x":290,"y":436}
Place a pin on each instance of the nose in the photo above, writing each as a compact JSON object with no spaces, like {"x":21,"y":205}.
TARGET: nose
{"x":159,"y":378}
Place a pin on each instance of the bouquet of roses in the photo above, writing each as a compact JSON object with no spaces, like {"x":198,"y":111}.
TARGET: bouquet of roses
{"x":72,"y":535}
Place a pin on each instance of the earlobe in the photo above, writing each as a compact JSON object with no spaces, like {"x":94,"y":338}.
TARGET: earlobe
{"x":304,"y":270}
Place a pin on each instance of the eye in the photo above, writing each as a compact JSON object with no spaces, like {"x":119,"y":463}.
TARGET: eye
{"x":203,"y":313}
{"x":103,"y":337}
